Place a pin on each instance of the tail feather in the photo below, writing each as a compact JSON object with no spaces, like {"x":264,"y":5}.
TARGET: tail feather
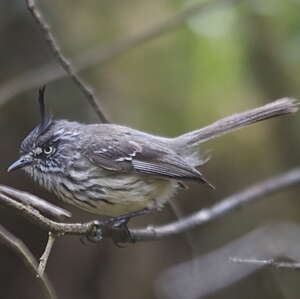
{"x":205,"y":181}
{"x":277,"y":108}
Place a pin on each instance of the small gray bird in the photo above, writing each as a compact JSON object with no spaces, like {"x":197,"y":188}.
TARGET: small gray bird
{"x":109,"y":169}
{"x":106,"y":169}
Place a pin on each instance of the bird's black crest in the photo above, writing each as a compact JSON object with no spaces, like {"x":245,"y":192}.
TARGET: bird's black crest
{"x":46,"y":118}
{"x":42,"y":127}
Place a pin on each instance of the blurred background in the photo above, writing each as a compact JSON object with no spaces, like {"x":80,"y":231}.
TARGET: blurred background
{"x":230,"y":58}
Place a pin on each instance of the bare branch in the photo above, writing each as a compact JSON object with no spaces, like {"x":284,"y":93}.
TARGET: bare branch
{"x":45,"y":256}
{"x":202,"y":217}
{"x":227,"y":205}
{"x":45,"y":223}
{"x":64,"y":62}
{"x":269,"y":262}
{"x":100,"y":55}
{"x":36,"y":202}
{"x":21,"y":250}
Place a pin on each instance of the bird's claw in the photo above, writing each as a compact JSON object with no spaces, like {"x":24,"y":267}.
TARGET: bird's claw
{"x":116,"y":223}
{"x":96,"y":234}
{"x":121,"y":224}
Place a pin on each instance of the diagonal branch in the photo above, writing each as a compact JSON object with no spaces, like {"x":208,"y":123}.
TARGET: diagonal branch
{"x":150,"y":233}
{"x":100,"y":55}
{"x":21,"y":249}
{"x":222,"y":208}
{"x":64,"y":62}
{"x":36,"y":202}
{"x":43,"y":222}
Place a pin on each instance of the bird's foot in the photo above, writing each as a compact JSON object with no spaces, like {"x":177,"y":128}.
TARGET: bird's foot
{"x":117,"y":223}
{"x":116,"y":228}
{"x":96,"y":235}
{"x":121,"y":223}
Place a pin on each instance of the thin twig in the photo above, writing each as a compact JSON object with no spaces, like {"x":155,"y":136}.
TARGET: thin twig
{"x":27,"y":257}
{"x":267,"y":262}
{"x":36,"y":202}
{"x":45,"y":256}
{"x":100,"y":55}
{"x":227,"y":205}
{"x":64,"y":62}
{"x":45,"y":223}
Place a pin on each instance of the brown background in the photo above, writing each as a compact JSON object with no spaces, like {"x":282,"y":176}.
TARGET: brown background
{"x":227,"y":60}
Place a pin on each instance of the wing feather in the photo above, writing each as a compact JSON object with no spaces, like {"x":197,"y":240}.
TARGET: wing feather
{"x":128,"y":156}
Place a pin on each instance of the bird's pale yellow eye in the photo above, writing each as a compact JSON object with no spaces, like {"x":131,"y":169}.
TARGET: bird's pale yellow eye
{"x":48,"y":150}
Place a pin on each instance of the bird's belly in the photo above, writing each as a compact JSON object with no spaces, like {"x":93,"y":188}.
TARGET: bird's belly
{"x":117,"y":195}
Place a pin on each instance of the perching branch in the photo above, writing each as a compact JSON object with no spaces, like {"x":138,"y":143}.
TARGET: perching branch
{"x":100,"y":55}
{"x":220,"y":209}
{"x":63,"y":61}
{"x":150,"y":233}
{"x":45,"y":223}
{"x":21,"y":249}
{"x":199,"y":218}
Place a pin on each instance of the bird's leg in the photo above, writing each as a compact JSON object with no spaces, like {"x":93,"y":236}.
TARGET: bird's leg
{"x":122,"y":221}
{"x":96,"y":235}
{"x":117,"y":222}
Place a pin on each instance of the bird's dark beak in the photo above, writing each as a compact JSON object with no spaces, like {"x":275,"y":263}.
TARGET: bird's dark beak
{"x":23,"y":161}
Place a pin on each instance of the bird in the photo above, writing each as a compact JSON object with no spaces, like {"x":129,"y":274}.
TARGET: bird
{"x":109,"y":169}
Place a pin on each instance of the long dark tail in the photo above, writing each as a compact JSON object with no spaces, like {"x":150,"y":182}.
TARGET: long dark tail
{"x":234,"y":122}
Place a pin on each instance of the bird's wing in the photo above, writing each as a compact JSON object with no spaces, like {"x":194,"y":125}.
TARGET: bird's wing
{"x":148,"y":159}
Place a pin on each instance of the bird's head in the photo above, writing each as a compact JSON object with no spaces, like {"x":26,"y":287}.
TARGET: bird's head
{"x":44,"y":149}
